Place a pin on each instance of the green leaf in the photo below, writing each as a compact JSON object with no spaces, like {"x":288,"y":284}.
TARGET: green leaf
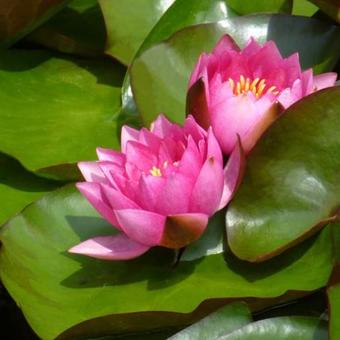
{"x":291,"y":187}
{"x":268,"y":6}
{"x":225,"y":320}
{"x":128,"y":22}
{"x":18,"y":187}
{"x":18,"y":19}
{"x":330,"y":7}
{"x":57,"y":290}
{"x":333,"y":290}
{"x":182,"y":13}
{"x":284,"y":328}
{"x":159,"y":76}
{"x":56,"y":110}
{"x":304,"y":7}
{"x":78,"y":29}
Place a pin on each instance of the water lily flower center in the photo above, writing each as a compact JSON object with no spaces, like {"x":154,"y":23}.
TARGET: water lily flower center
{"x":154,"y":171}
{"x":257,"y":86}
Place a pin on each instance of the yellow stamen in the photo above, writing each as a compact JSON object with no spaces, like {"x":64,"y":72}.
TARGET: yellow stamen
{"x":232,"y":84}
{"x":253,"y":84}
{"x":154,"y":171}
{"x":258,"y":86}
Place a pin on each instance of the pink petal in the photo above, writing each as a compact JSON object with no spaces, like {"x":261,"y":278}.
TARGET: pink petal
{"x":143,"y":226}
{"x":266,"y":117}
{"x":161,"y":126}
{"x":128,"y":134}
{"x":111,"y":156}
{"x":236,"y":115}
{"x":140,"y":155}
{"x":251,"y":48}
{"x":149,"y":189}
{"x":182,"y":229}
{"x":324,"y":80}
{"x":117,"y":199}
{"x":114,"y":173}
{"x":150,"y":139}
{"x":207,"y":191}
{"x":93,"y":193}
{"x":233,"y":174}
{"x":199,"y":68}
{"x":193,"y":129}
{"x":214,"y":149}
{"x":92,"y":172}
{"x":307,"y":82}
{"x":175,"y":195}
{"x":226,"y":43}
{"x":118,"y":247}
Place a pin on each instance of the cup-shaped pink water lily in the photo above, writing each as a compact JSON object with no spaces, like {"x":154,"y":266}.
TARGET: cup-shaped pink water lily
{"x":242,"y":91}
{"x":159,"y":190}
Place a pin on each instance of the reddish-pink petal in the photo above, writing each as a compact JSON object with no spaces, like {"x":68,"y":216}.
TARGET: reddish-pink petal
{"x":142,"y":226}
{"x":193,"y":129}
{"x":324,"y":80}
{"x":251,"y":48}
{"x":92,"y":172}
{"x":93,"y":193}
{"x":149,"y":139}
{"x":226,"y":43}
{"x":117,"y":247}
{"x":182,"y":229}
{"x":207,"y":192}
{"x":233,"y":174}
{"x":128,"y":134}
{"x":111,"y":156}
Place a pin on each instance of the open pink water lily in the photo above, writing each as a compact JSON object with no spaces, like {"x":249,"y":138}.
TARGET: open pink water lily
{"x":241,"y":92}
{"x":159,"y":190}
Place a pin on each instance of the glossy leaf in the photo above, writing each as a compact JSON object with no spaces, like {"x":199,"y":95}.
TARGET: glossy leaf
{"x":225,"y":320}
{"x":182,"y":13}
{"x":284,"y":328}
{"x":18,"y":187}
{"x":292,"y":182}
{"x":128,"y":22}
{"x":57,"y":290}
{"x":18,"y":19}
{"x":268,"y":6}
{"x":78,"y":29}
{"x":159,"y":76}
{"x":333,"y":290}
{"x":60,"y":110}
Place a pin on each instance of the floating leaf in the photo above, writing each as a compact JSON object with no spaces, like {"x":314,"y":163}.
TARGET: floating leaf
{"x":59,"y":112}
{"x":159,"y":76}
{"x":292,"y":183}
{"x":57,"y":290}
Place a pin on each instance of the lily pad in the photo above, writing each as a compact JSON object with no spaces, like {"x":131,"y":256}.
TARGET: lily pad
{"x":245,"y":7}
{"x":59,"y":112}
{"x":284,"y":328}
{"x":57,"y":290}
{"x":65,"y":31}
{"x":159,"y":76}
{"x":128,"y":22}
{"x":292,"y":183}
{"x":225,"y":320}
{"x":18,"y":187}
{"x":18,"y":19}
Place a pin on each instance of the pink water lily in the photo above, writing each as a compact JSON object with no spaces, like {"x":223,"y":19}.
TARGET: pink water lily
{"x":159,"y":190}
{"x":242,"y":91}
